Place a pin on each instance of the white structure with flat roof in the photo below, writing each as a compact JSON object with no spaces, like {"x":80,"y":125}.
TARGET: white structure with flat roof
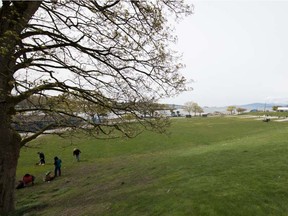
{"x":282,"y":109}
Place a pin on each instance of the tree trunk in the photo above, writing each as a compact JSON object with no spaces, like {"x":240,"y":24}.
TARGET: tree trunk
{"x":9,"y":153}
{"x":13,"y":19}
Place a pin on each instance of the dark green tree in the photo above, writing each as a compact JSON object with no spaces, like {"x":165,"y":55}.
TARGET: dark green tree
{"x":275,"y":108}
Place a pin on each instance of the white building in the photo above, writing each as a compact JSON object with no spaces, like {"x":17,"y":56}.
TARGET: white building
{"x":282,"y":109}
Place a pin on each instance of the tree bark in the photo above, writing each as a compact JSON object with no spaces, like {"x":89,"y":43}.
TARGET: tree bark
{"x":9,"y":153}
{"x":13,"y":20}
{"x":9,"y":141}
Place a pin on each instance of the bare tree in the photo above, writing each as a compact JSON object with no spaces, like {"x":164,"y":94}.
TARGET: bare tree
{"x":188,"y":107}
{"x":240,"y":110}
{"x":192,"y":107}
{"x":231,"y":109}
{"x":114,"y":55}
{"x":200,"y":110}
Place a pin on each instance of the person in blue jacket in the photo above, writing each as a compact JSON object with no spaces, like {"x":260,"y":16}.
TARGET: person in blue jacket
{"x":57,"y":164}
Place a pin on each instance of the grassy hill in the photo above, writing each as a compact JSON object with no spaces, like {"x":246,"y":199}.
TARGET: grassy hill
{"x":205,"y":166}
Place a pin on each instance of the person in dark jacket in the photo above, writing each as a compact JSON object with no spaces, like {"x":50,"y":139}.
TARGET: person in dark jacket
{"x":42,"y":158}
{"x":76,"y":153}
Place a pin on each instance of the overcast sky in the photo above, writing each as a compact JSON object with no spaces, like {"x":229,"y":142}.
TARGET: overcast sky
{"x":236,"y":52}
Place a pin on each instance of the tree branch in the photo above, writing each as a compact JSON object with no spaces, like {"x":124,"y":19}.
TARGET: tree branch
{"x":35,"y":135}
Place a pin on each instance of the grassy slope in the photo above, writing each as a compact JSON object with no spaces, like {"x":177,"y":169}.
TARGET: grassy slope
{"x":207,"y":166}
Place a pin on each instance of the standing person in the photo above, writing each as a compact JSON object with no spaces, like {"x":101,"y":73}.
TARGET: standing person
{"x":42,"y":158}
{"x":57,"y":164}
{"x":76,"y":153}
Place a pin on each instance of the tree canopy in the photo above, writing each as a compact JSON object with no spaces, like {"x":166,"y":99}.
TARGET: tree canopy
{"x":107,"y":54}
{"x":192,"y":107}
{"x":240,"y":109}
{"x":231,"y":109}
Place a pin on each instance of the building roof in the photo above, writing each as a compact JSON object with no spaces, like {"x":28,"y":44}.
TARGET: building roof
{"x":282,"y":108}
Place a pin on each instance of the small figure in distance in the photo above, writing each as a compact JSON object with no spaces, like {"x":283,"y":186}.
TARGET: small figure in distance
{"x":57,"y":164}
{"x":26,"y":180}
{"x":76,"y":153}
{"x":48,"y":176}
{"x":42,"y":158}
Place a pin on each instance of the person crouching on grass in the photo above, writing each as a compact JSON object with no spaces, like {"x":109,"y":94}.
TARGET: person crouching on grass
{"x":57,"y":164}
{"x":26,"y":180}
{"x":48,"y":176}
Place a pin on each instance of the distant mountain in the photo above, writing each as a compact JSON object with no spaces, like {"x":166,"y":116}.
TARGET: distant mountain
{"x":260,"y":106}
{"x":248,"y":107}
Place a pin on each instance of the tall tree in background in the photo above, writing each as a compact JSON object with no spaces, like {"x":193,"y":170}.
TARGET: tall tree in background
{"x":196,"y":109}
{"x":113,"y":54}
{"x":275,"y":108}
{"x":240,"y":110}
{"x":188,"y":107}
{"x":231,"y":109}
{"x":192,"y":107}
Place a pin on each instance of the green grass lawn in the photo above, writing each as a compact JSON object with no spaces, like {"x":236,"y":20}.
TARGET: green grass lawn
{"x":204,"y":166}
